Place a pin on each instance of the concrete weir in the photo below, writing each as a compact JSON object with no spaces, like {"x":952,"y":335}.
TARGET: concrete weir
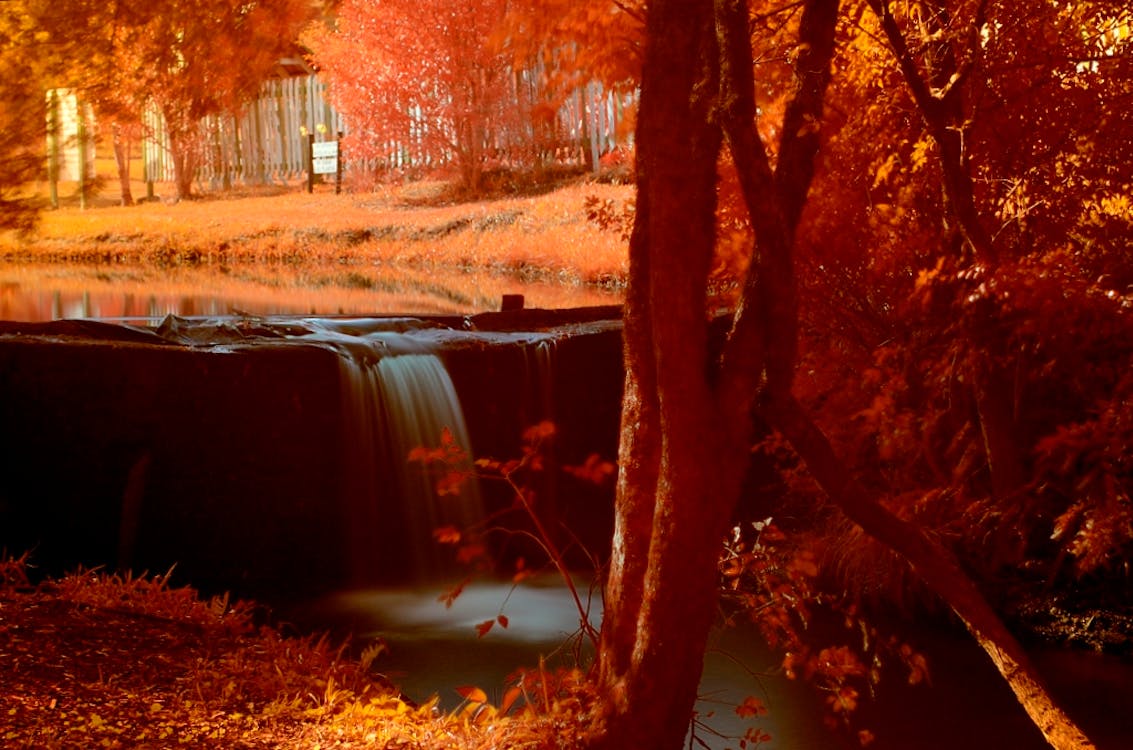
{"x":262,"y":455}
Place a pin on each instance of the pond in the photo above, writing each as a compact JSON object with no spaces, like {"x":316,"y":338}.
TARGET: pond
{"x":43,"y":292}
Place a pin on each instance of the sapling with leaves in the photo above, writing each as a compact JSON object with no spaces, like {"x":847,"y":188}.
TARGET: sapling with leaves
{"x":449,"y":467}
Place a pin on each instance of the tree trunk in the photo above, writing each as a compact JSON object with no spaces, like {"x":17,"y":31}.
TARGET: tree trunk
{"x":686,"y":424}
{"x":680,"y":469}
{"x":183,"y":153}
{"x":939,"y":100}
{"x":122,"y":158}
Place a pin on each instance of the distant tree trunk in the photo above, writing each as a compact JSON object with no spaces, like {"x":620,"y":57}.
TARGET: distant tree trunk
{"x":122,"y":158}
{"x":183,"y":147}
{"x":182,"y":152}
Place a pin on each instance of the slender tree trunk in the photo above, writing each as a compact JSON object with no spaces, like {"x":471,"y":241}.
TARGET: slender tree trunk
{"x":122,"y":158}
{"x":938,"y":93}
{"x":935,"y":565}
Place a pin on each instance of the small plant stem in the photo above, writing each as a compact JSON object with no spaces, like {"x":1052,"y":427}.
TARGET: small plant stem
{"x":556,"y":558}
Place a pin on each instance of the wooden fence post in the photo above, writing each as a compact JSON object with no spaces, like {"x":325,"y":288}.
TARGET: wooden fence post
{"x":310,"y":161}
{"x":338,"y":165}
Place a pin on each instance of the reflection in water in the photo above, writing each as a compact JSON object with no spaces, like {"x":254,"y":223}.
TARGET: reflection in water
{"x":35,"y":292}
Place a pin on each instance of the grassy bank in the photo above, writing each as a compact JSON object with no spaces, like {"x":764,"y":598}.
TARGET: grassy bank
{"x":544,"y":236}
{"x":93,"y":660}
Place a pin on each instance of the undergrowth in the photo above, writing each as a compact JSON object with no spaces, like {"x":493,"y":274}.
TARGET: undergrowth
{"x":116,"y":660}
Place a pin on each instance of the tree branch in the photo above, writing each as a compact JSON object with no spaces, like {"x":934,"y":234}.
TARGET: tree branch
{"x":936,"y":566}
{"x":942,"y":114}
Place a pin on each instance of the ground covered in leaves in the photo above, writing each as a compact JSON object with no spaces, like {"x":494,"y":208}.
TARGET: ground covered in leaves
{"x":93,"y":660}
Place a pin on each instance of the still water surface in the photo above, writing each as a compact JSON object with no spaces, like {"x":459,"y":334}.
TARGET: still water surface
{"x":43,"y":292}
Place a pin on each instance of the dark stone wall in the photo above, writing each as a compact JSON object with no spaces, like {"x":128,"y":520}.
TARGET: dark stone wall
{"x":146,"y":456}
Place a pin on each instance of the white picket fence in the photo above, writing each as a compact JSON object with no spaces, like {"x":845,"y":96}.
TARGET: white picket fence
{"x":265,"y":143}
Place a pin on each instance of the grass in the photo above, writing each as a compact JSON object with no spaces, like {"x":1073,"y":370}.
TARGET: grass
{"x":547,"y":234}
{"x":404,"y":248}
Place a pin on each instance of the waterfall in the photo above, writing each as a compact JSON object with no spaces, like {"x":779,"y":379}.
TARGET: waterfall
{"x":538,"y":359}
{"x":392,"y":404}
{"x":420,"y":402}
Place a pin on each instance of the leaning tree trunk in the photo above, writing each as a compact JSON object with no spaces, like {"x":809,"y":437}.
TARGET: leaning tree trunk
{"x":686,"y":425}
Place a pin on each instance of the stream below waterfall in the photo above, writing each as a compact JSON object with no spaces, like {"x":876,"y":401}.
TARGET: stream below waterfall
{"x":434,"y":650}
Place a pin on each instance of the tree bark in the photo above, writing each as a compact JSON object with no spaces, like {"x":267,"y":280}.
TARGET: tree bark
{"x":679,"y":478}
{"x":182,"y":152}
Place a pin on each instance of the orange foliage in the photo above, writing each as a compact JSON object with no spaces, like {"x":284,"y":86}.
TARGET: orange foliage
{"x":424,"y":75}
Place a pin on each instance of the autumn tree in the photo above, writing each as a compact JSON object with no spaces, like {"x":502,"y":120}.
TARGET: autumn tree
{"x":424,"y":76}
{"x":563,"y":46}
{"x":690,"y":410}
{"x":965,"y":342}
{"x":42,"y":43}
{"x":197,"y":58}
{"x":22,"y":112}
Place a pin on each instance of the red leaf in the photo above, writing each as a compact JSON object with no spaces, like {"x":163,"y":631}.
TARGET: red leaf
{"x":472,"y":693}
{"x":751,"y":707}
{"x":470,"y":553}
{"x":483,"y":628}
{"x":510,"y":697}
{"x":502,"y":620}
{"x":450,"y":596}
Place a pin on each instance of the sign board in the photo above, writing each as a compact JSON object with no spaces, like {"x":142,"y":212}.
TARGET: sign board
{"x":324,"y":157}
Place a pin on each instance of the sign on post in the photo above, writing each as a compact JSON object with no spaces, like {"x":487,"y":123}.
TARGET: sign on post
{"x":325,"y":159}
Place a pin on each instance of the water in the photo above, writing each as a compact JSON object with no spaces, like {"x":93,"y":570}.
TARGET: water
{"x":43,"y":292}
{"x":434,"y":650}
{"x":422,"y":410}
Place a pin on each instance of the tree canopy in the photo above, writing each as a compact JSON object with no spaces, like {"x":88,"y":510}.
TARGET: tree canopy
{"x":186,"y":59}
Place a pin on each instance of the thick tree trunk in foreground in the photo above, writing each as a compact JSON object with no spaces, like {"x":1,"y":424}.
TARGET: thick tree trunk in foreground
{"x":680,"y":467}
{"x":686,"y":425}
